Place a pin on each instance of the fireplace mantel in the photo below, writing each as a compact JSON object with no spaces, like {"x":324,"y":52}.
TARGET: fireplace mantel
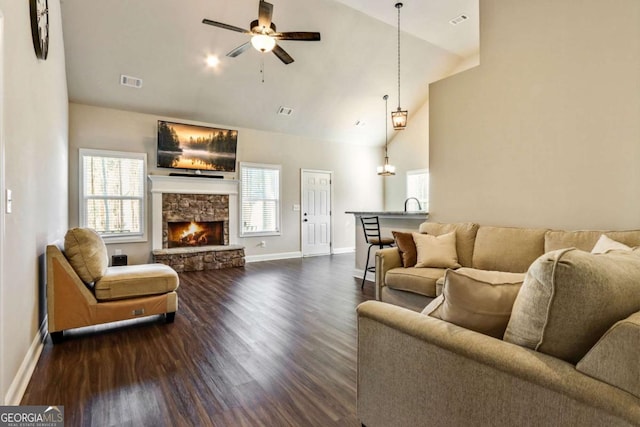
{"x":159,"y":184}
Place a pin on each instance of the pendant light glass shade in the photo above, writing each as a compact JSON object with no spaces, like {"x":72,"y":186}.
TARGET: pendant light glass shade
{"x":399,"y":117}
{"x":386,"y":169}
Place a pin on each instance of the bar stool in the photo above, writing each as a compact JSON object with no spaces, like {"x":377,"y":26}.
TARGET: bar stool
{"x":371,"y":227}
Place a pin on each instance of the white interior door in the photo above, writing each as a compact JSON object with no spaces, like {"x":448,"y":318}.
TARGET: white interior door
{"x":316,"y":212}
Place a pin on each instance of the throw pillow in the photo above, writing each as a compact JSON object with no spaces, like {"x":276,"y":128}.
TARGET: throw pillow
{"x":436,"y":251}
{"x":570,"y":298}
{"x":477,"y":300}
{"x":606,"y":244}
{"x":407,"y":248}
{"x":86,"y":253}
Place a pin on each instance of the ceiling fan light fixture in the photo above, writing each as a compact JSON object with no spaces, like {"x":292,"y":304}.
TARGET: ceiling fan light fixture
{"x":263,"y":43}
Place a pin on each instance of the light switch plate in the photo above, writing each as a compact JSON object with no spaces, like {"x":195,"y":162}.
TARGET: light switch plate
{"x":296,"y":208}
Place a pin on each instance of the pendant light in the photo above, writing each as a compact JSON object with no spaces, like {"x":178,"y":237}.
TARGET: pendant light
{"x":399,"y":117}
{"x":386,"y":169}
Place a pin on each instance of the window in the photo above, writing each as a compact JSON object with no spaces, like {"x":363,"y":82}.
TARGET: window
{"x":112,"y":194}
{"x":259,"y":199}
{"x":418,"y":187}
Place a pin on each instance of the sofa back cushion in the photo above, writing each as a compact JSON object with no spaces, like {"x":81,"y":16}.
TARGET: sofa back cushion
{"x":465,"y":237}
{"x":86,"y":253}
{"x":570,"y":298}
{"x":586,"y":240}
{"x":507,"y":249}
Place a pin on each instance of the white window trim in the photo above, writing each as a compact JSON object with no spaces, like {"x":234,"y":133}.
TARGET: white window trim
{"x":425,"y":207}
{"x":279,"y":204}
{"x":133,"y":237}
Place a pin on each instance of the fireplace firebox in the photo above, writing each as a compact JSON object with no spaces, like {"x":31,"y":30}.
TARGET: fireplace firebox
{"x":195,"y":233}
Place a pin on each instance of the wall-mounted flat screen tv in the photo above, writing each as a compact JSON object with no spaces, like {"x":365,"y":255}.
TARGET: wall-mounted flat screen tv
{"x":182,"y":146}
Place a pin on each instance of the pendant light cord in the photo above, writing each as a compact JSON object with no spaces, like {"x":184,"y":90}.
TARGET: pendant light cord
{"x":398,"y":6}
{"x":386,"y":131}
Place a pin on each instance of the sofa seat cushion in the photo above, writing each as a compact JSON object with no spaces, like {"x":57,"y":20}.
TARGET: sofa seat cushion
{"x":135,"y":281}
{"x":417,"y":280}
{"x":86,"y":252}
{"x":477,"y":300}
{"x":570,"y":298}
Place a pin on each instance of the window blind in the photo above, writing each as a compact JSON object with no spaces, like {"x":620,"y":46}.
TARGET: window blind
{"x":260,"y":199}
{"x":113,"y":187}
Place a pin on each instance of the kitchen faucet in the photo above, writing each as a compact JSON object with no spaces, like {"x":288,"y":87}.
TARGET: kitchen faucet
{"x":417,"y":201}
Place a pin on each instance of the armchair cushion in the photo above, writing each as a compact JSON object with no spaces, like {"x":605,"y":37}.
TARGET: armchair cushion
{"x":135,"y":280}
{"x":477,"y":300}
{"x":86,"y":253}
{"x":570,"y":298}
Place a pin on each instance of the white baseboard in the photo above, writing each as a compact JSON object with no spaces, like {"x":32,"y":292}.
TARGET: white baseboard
{"x":337,"y":251}
{"x":23,"y":376}
{"x":272,"y":257}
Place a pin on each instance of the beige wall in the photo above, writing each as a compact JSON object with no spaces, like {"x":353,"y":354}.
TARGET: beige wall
{"x":408,"y":150}
{"x":34,"y":121}
{"x":546,"y":131}
{"x":356,"y":185}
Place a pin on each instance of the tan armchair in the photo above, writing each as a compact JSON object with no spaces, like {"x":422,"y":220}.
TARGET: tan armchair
{"x":83,"y":291}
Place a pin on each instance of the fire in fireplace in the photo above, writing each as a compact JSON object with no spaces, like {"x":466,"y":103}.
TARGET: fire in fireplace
{"x":193,"y":233}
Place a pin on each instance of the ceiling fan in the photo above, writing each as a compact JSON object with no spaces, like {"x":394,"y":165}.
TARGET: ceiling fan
{"x":264,"y":35}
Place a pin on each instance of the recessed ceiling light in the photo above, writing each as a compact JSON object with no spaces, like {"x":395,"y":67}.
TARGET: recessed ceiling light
{"x":212,"y":61}
{"x":458,"y":19}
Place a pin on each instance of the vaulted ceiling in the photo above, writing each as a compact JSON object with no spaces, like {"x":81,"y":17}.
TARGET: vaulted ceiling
{"x":331,"y":85}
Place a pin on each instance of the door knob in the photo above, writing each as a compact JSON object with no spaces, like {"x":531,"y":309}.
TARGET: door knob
{"x":305,"y":220}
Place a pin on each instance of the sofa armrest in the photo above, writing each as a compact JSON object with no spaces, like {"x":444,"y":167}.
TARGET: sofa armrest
{"x":614,"y":359}
{"x":386,"y":259}
{"x":413,"y":368}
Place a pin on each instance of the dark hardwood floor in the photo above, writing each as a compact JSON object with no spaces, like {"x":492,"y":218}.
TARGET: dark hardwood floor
{"x":270,"y":344}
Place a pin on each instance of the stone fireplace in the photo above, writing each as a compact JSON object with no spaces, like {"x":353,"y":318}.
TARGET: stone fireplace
{"x":194,"y":223}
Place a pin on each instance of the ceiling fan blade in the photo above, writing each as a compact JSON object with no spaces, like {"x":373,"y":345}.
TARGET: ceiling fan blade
{"x":225,"y":26}
{"x":265,"y":12}
{"x":298,"y":35}
{"x":237,"y":51}
{"x":282,"y":55}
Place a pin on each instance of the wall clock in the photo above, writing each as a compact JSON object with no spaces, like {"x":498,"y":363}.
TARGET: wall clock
{"x":40,"y":27}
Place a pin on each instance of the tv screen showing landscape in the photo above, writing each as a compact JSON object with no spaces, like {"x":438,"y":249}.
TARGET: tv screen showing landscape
{"x":182,"y":146}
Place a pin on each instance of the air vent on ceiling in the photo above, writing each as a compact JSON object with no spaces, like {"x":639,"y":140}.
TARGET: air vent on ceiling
{"x":285,"y":111}
{"x":458,"y":19}
{"x":130,"y":81}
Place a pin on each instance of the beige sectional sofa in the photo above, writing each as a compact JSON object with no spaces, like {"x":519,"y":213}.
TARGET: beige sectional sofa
{"x":569,"y":356}
{"x":504,"y":249}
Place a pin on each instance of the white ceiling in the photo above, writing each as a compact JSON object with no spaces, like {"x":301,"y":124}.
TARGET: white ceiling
{"x":331,"y":85}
